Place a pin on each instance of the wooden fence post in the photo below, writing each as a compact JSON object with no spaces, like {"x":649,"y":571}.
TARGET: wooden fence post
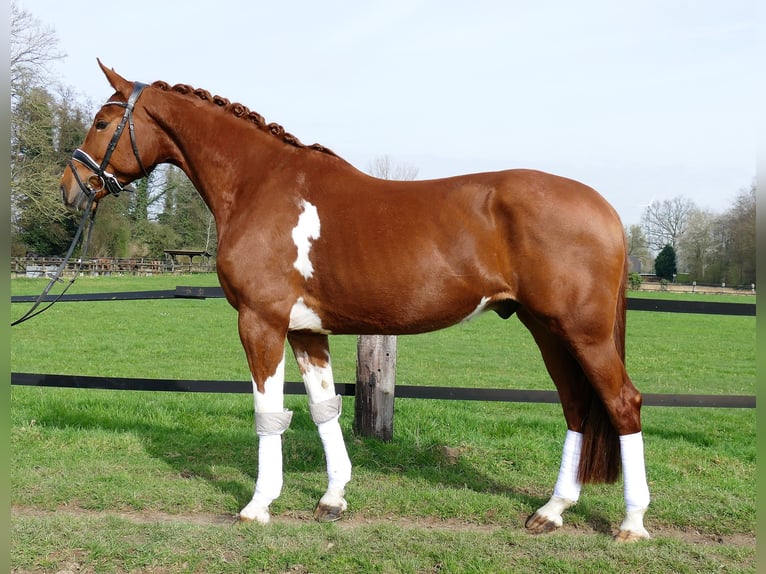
{"x":375,"y":380}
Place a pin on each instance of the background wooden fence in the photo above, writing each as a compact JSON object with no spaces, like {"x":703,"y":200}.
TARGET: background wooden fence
{"x":176,"y":261}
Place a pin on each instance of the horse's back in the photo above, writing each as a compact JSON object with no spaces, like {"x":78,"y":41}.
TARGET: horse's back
{"x":529,"y":197}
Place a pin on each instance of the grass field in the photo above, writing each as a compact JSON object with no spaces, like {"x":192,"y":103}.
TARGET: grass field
{"x":108,"y":481}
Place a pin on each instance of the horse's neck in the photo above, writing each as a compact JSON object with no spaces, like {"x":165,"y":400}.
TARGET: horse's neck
{"x":214,"y":150}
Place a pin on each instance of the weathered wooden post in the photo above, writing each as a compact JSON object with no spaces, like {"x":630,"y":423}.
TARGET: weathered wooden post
{"x":375,"y":381}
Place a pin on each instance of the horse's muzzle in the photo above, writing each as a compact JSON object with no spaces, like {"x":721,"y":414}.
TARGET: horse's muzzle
{"x":65,"y":198}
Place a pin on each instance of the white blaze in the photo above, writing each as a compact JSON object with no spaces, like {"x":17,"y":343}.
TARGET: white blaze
{"x":304,"y":232}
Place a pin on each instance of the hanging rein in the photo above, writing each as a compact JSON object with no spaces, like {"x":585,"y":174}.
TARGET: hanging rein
{"x":99,"y":180}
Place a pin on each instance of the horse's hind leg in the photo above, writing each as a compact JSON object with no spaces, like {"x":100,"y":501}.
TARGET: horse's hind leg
{"x":312,"y":353}
{"x":602,"y":409}
{"x":575,"y":394}
{"x":611,"y":423}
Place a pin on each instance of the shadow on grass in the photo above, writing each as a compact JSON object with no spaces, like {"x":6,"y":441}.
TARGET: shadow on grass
{"x":193,"y":450}
{"x":675,"y":434}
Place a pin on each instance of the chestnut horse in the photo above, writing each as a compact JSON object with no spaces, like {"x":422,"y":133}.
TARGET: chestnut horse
{"x":309,"y":246}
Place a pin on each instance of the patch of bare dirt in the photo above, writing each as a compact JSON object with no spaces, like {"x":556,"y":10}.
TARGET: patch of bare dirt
{"x":358,"y":520}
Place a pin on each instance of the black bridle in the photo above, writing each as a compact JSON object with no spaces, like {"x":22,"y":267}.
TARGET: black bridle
{"x":100,"y":178}
{"x":96,"y":182}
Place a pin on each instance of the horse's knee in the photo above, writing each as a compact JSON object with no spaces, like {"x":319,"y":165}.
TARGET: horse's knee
{"x":609,"y":379}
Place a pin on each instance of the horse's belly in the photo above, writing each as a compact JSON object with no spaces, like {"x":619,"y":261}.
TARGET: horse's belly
{"x":387,"y":316}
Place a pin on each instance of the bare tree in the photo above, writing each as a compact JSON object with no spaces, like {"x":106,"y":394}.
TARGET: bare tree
{"x":664,"y":221}
{"x":637,"y":245}
{"x":33,"y":48}
{"x":41,"y":130}
{"x":697,"y":247}
{"x":384,"y":168}
{"x":739,"y":222}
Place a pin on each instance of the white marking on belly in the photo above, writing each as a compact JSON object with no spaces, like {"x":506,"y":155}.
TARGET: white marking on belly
{"x":304,"y":232}
{"x":302,"y":318}
{"x":480,"y":308}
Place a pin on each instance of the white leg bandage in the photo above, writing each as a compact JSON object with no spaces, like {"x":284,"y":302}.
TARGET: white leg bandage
{"x":268,"y":485}
{"x":567,"y":489}
{"x":634,"y":472}
{"x":326,"y":415}
{"x":326,"y":410}
{"x":567,"y":485}
{"x":267,"y":424}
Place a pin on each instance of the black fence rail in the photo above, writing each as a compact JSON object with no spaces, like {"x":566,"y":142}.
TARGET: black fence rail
{"x":704,"y":307}
{"x":181,"y":292}
{"x":348,"y":389}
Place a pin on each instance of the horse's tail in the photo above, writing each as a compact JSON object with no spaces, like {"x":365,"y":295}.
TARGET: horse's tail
{"x":600,"y":455}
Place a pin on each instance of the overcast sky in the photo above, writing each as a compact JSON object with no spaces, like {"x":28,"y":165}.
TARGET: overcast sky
{"x":642,"y":100}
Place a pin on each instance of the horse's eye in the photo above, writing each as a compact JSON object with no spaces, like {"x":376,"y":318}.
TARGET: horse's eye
{"x":101,"y":124}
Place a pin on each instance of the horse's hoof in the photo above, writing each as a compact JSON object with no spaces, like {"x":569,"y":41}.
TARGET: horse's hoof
{"x":259,"y":520}
{"x":259,"y":515}
{"x":631,"y":536}
{"x":539,"y":524}
{"x":632,"y":528}
{"x":327,"y":513}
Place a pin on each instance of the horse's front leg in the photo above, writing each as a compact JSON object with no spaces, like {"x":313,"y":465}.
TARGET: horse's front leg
{"x":312,"y":352}
{"x":265,"y":352}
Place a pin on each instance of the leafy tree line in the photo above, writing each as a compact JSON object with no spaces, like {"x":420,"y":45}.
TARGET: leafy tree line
{"x":47,"y":124}
{"x":677,"y":239}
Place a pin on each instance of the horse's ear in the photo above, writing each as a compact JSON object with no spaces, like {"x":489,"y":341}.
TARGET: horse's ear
{"x":119,"y":83}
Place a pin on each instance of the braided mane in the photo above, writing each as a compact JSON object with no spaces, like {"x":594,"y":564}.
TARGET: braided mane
{"x":242,"y":111}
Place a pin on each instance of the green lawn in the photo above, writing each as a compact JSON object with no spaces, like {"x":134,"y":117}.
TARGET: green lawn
{"x":148,"y":482}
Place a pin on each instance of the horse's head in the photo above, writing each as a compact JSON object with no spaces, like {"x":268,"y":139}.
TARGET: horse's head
{"x":109,"y":159}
